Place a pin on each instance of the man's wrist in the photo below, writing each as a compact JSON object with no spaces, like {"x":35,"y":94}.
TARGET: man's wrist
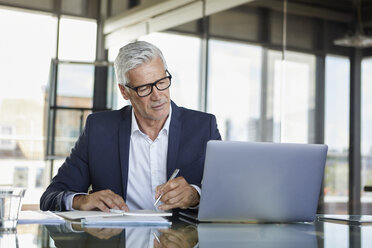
{"x":76,"y":201}
{"x":196,"y":197}
{"x":68,"y":198}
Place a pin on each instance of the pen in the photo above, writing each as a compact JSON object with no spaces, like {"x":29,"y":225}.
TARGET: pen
{"x":171,"y":178}
{"x":156,"y":237}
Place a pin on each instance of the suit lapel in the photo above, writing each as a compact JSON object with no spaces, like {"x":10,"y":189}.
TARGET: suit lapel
{"x":173,"y":139}
{"x":124,"y":139}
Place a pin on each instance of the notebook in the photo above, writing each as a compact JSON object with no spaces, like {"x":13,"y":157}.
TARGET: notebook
{"x":117,"y":221}
{"x":76,"y":214}
{"x":39,"y":217}
{"x":261,"y":182}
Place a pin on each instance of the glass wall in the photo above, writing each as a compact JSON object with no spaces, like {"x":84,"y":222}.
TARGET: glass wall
{"x":336,"y":131}
{"x":26,"y":48}
{"x":234,"y":79}
{"x":235,"y":93}
{"x":366,"y":136}
{"x":292,"y":89}
{"x":75,"y":84}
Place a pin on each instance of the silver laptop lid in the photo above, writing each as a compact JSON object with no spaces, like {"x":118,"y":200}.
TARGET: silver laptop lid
{"x":271,"y":182}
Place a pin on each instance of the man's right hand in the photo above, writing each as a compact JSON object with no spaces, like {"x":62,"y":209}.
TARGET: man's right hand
{"x":103,"y":200}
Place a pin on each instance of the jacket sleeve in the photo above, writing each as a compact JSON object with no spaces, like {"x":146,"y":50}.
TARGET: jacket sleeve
{"x":72,"y":176}
{"x":215,"y":134}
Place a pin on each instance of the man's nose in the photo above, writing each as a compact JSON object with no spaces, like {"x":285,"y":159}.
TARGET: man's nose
{"x":155,"y":93}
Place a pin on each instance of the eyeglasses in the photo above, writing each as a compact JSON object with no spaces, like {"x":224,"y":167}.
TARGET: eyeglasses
{"x":146,"y":89}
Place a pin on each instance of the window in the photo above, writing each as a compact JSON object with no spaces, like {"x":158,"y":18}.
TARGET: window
{"x":291,"y":95}
{"x":75,"y":85}
{"x":27,"y":45}
{"x":366,"y":135}
{"x":7,"y":141}
{"x":337,"y":128}
{"x":234,"y":79}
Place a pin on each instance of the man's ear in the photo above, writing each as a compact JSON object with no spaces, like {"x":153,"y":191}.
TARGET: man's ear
{"x":123,"y":92}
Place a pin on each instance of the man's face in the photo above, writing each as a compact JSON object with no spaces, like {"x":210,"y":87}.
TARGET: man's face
{"x":154,"y":106}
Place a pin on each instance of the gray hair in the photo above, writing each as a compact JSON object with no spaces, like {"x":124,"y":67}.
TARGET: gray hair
{"x":133,"y":55}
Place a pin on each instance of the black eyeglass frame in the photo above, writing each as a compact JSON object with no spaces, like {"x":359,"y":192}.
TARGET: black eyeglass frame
{"x":152,"y":85}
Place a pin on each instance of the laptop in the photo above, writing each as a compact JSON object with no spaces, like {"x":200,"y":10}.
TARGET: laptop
{"x":261,"y":182}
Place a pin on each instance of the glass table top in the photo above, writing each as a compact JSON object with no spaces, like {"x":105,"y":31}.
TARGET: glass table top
{"x":182,"y":234}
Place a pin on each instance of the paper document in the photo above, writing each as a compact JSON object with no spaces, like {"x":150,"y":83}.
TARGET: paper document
{"x":126,"y":221}
{"x":143,"y":213}
{"x":39,"y":217}
{"x":74,"y":215}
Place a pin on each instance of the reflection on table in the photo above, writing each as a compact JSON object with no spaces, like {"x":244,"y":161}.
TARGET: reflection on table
{"x":182,"y":234}
{"x":257,"y":235}
{"x":74,"y":235}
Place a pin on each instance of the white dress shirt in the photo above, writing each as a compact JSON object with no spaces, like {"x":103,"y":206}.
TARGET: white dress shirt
{"x":147,"y":165}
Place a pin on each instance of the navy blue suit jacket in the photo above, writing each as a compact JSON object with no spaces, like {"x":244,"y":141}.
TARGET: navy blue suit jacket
{"x":101,"y":155}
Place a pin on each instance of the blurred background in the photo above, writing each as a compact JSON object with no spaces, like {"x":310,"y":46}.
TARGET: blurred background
{"x":270,"y":70}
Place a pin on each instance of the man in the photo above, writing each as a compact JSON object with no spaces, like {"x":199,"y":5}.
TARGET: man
{"x":127,"y":155}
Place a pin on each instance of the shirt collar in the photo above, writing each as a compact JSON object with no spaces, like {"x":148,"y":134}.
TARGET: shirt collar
{"x":165,"y":129}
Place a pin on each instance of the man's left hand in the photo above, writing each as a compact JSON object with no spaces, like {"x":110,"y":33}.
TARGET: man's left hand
{"x":177,"y":193}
